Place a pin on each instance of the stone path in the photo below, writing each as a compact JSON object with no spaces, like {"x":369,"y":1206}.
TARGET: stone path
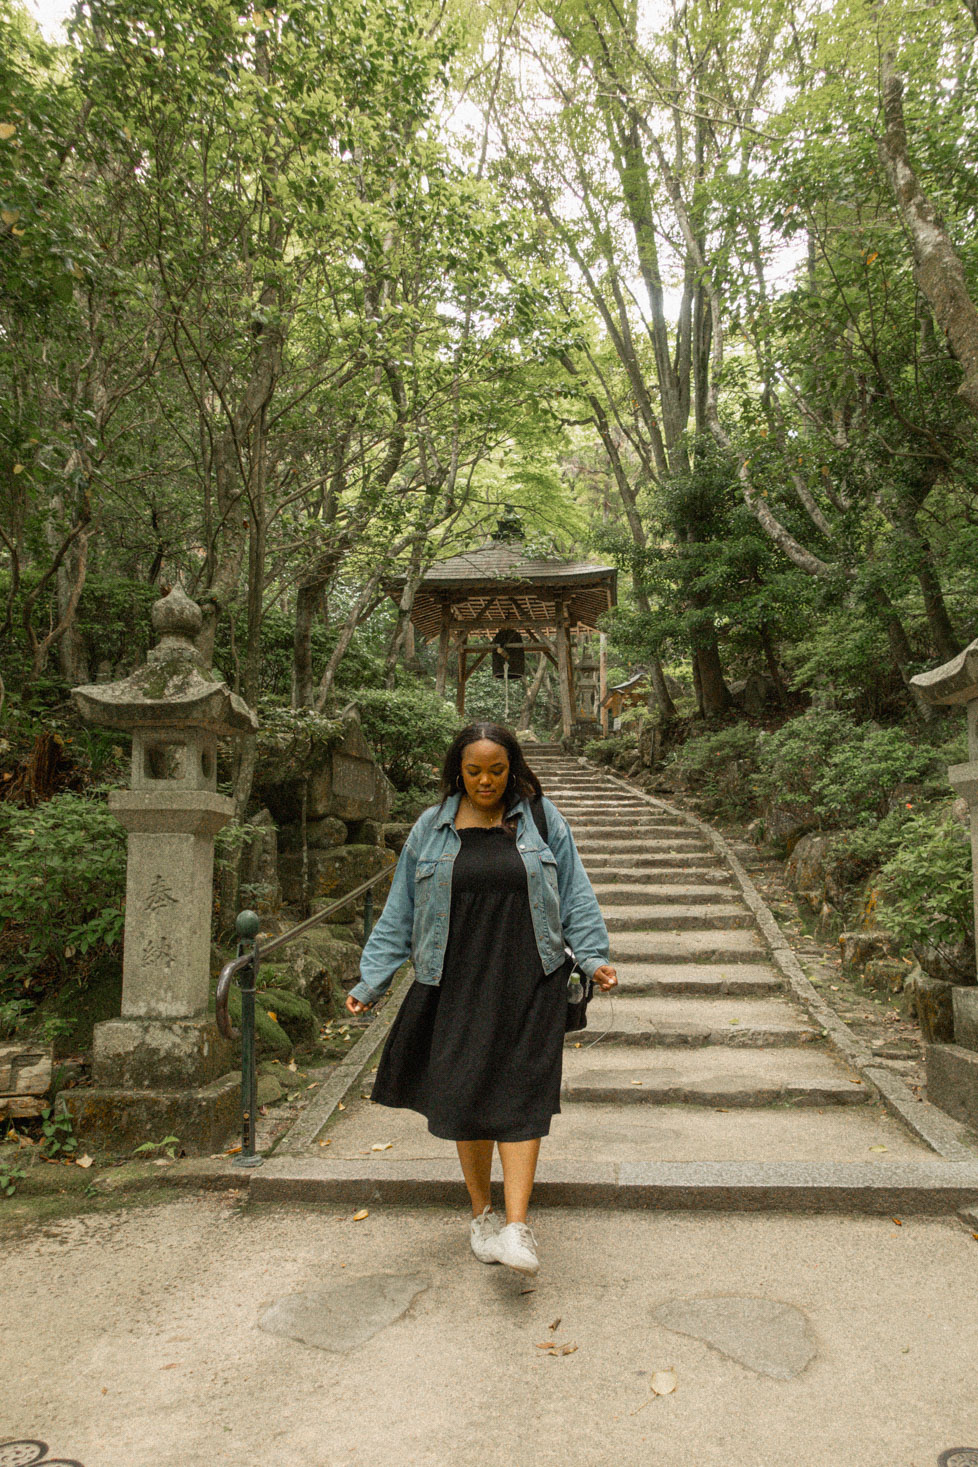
{"x":715,"y":1077}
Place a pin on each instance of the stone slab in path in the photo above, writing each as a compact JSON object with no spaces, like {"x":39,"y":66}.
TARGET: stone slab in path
{"x":688,"y":1020}
{"x":769,"y":1337}
{"x":346,"y":1315}
{"x":740,"y":945}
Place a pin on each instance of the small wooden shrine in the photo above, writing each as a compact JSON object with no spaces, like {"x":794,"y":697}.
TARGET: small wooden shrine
{"x":544,"y":606}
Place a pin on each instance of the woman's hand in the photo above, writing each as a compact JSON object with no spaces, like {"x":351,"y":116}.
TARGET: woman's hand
{"x":605,"y":977}
{"x":354,"y":1006}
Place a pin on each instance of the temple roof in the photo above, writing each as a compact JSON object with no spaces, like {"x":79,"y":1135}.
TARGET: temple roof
{"x":499,"y":585}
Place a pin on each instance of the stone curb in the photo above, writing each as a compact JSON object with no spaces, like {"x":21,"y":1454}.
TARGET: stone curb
{"x":932,"y":1188}
{"x":930,"y":1125}
{"x":347,"y":1075}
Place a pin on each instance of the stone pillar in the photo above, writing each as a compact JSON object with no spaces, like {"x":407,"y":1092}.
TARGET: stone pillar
{"x":161,"y":1068}
{"x":952,"y":1069}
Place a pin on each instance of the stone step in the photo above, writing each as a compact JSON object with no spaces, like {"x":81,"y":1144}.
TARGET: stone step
{"x":702,"y":980}
{"x":643,"y":862}
{"x":625,"y":846}
{"x":689,"y":1022}
{"x":676,"y":918}
{"x":649,"y":877}
{"x":656,"y":894}
{"x":630,"y":829}
{"x":687,"y":947}
{"x":712,"y":1075}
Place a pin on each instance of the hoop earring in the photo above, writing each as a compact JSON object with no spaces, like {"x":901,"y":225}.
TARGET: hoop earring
{"x":458,"y":782}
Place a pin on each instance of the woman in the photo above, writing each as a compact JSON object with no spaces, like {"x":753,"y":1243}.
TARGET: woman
{"x":483,"y":905}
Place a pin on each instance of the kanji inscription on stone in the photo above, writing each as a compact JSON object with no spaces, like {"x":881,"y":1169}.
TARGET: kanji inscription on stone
{"x":160,"y":895}
{"x":158,"y":950}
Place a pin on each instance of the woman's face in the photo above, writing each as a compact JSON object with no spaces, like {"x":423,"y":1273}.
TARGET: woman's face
{"x":485,"y":771}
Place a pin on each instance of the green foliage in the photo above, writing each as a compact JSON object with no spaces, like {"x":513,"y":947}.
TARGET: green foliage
{"x":57,"y":1137}
{"x":62,"y":886}
{"x":927,"y":883}
{"x":843,"y":771}
{"x":602,"y":751}
{"x":10,"y":1175}
{"x":409,"y":730}
{"x":721,"y":768}
{"x":169,"y":1146}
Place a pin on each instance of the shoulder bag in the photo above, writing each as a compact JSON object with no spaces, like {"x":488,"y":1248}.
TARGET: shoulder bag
{"x":579,"y":987}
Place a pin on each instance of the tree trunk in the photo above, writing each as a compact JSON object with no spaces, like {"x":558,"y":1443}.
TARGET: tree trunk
{"x":713,"y":690}
{"x":938,"y":270}
{"x":307,"y":602}
{"x":662,"y":695}
{"x":532,"y":693}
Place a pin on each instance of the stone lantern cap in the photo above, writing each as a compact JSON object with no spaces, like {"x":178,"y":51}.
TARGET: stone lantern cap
{"x":174,"y":688}
{"x":955,"y":682}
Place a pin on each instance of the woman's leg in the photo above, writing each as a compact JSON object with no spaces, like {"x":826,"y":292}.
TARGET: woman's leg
{"x":519,"y":1159}
{"x":476,"y":1159}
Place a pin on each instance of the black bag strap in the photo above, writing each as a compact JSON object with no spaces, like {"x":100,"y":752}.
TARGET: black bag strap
{"x":540,"y":818}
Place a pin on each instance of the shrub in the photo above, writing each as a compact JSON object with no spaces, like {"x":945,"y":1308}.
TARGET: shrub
{"x":720,"y":767}
{"x":844,"y":771}
{"x":62,"y":887}
{"x":409,"y":730}
{"x":927,"y":883}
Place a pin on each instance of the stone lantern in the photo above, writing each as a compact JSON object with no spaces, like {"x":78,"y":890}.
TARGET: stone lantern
{"x":952,"y":1069}
{"x":161,"y":1068}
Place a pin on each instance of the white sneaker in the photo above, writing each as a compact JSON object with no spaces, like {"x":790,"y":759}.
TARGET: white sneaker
{"x":483,"y":1232}
{"x":516,"y":1246}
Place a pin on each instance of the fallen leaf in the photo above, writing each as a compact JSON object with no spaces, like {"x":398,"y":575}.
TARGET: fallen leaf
{"x":898,"y":1222}
{"x":382,"y":1146}
{"x":233,"y":1151}
{"x":312,"y":1084}
{"x":7,"y":130}
{"x":83,"y":1161}
{"x":359,"y":1216}
{"x":879,"y":1148}
{"x":564,"y":1349}
{"x":341,"y":1106}
{"x":172,"y":1365}
{"x":555,"y":1323}
{"x":326,"y":1143}
{"x":636,"y":1082}
{"x":292,"y":1065}
{"x":663,"y":1382}
{"x":546,"y":1345}
{"x":9,"y":216}
{"x":274,"y":1018}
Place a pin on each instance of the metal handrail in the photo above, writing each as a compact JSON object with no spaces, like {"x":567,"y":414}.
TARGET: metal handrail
{"x":245,"y":960}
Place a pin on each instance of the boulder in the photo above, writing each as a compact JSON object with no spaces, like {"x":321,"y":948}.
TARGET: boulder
{"x":292,"y":1013}
{"x":951,"y":962}
{"x":933,"y":1004}
{"x":320,"y":967}
{"x":784,"y":825}
{"x":366,"y":833}
{"x":886,"y":975}
{"x":346,"y":782}
{"x":320,"y":834}
{"x":861,"y":947}
{"x":269,"y":1090}
{"x":332,"y":873}
{"x":810,"y":870}
{"x":270,"y":1037}
{"x":396,"y":835}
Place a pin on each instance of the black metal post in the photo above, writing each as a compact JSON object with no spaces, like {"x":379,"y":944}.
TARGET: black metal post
{"x":247,"y":925}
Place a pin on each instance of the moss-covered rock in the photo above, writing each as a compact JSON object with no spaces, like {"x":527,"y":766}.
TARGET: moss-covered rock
{"x":292,"y":1013}
{"x":270,"y":1037}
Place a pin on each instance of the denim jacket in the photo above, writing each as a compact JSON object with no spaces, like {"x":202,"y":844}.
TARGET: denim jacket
{"x":414,"y":922}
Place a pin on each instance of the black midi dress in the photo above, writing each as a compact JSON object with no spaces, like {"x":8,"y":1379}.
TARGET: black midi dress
{"x":479,"y":1055}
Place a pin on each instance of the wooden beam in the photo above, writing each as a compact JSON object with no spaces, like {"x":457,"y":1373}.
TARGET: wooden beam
{"x":460,"y":688}
{"x":441,"y":671}
{"x":564,"y":674}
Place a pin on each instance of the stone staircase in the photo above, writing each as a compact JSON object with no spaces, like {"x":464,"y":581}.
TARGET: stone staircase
{"x":702,"y":1082}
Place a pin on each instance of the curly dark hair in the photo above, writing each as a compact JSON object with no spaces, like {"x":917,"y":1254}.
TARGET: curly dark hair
{"x":522,"y":782}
